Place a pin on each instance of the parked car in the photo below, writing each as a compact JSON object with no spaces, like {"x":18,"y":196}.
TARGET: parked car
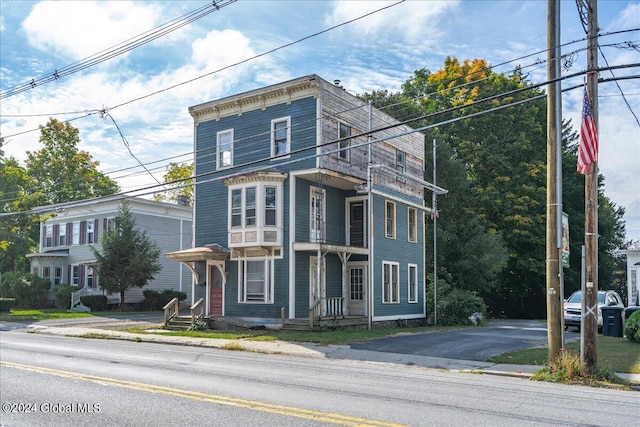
{"x":573,"y":307}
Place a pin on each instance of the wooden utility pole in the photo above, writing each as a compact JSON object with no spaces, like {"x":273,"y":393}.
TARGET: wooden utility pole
{"x":590,"y":304}
{"x":554,"y":331}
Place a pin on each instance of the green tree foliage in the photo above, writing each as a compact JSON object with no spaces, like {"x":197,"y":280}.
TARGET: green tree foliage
{"x":178,"y":179}
{"x":128,"y":259}
{"x":63,"y":172}
{"x":29,"y":291}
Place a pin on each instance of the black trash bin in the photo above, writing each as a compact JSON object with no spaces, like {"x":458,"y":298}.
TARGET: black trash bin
{"x":612,"y":321}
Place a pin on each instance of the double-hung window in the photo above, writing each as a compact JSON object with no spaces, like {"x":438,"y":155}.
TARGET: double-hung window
{"x":390,"y":282}
{"x":400,"y":161}
{"x":412,"y":225}
{"x":270,"y":206}
{"x":75,"y":275}
{"x":280,"y":136}
{"x":243,"y":207}
{"x":224,"y":148}
{"x":58,"y":276}
{"x":390,"y":220}
{"x":344,"y":134}
{"x":90,"y":231}
{"x":49,"y":236}
{"x":76,"y":233}
{"x":62,"y":235}
{"x":256,"y":281}
{"x":413,"y":283}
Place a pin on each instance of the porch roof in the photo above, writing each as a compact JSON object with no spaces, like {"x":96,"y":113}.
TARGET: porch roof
{"x":329,"y":248}
{"x":62,"y":253}
{"x":213,"y":252}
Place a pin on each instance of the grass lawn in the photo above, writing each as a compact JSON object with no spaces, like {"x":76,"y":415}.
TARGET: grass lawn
{"x":19,"y":315}
{"x":614,"y":354}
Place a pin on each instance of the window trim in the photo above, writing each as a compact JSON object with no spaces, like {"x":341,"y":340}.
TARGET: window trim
{"x":91,"y":231}
{"x":401,"y":161}
{"x":388,"y":295}
{"x":74,"y":280}
{"x":317,"y":223}
{"x":412,"y":289}
{"x":62,"y":235}
{"x":268,"y":285}
{"x":273,"y":150}
{"x":412,"y":235}
{"x":75,"y":233}
{"x":219,"y":162}
{"x":389,"y":234}
{"x":57,"y":278}
{"x":344,"y":145}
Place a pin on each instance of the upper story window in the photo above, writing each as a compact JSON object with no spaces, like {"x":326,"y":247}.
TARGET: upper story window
{"x":390,"y":219}
{"x":412,"y":225}
{"x":280,"y":136}
{"x":76,"y":233}
{"x":224,"y":148}
{"x":270,"y":206}
{"x":400,"y":161}
{"x":48,"y":236}
{"x":344,"y":134}
{"x":90,"y":231}
{"x":62,"y":235}
{"x":243,"y":207}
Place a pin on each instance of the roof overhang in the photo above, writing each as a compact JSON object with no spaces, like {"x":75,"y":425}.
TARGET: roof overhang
{"x":213,"y":252}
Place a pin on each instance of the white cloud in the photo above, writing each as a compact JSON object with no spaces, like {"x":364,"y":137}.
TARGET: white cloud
{"x":79,"y":29}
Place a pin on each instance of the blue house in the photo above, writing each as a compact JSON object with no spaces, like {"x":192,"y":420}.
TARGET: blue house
{"x":309,"y":207}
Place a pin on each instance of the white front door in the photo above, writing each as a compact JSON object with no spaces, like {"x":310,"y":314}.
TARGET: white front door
{"x":357,"y":276}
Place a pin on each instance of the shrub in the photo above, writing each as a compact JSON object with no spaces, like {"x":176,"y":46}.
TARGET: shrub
{"x":95,"y":302}
{"x":632,"y":327}
{"x":29,"y":290}
{"x":62,"y":294}
{"x":6,"y":304}
{"x":154,"y":300}
{"x":457,"y":305}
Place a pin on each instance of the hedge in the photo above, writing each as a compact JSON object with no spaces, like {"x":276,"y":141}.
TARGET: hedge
{"x":95,"y":302}
{"x":154,"y":300}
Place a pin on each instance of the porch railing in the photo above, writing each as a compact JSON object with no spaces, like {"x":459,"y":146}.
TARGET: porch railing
{"x":333,"y":307}
{"x":197,"y":311}
{"x":171,"y":310}
{"x":75,"y":296}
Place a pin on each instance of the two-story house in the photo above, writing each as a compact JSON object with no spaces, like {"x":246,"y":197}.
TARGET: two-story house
{"x":68,"y":233}
{"x":308,"y":205}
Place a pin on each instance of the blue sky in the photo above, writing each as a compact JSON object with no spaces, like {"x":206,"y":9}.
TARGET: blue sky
{"x":379,"y":51}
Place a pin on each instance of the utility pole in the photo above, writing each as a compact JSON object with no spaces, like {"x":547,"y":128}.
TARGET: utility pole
{"x":590,"y":310}
{"x":554,"y":331}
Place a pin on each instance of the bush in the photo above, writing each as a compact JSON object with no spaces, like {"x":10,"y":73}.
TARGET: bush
{"x":6,"y":304}
{"x":29,"y":290}
{"x":95,"y":302}
{"x":632,"y":327}
{"x":62,"y":294}
{"x":154,"y":300}
{"x":457,"y":305}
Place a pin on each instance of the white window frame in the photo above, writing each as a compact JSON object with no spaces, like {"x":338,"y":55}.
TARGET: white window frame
{"x":76,"y":233}
{"x":48,"y":236}
{"x":317,"y":223}
{"x":90,"y":231}
{"x":390,"y":282}
{"x":267,"y":285}
{"x":221,"y":162}
{"x":412,"y":233}
{"x":75,"y":275}
{"x":389,"y":227}
{"x":57,"y":279}
{"x":89,"y":277}
{"x":62,"y":235}
{"x":412,"y":288}
{"x":345,"y":151}
{"x":287,"y":144}
{"x":269,"y":207}
{"x":46,"y":272}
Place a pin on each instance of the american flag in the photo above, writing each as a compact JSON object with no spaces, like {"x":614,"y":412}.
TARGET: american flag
{"x":588,"y":146}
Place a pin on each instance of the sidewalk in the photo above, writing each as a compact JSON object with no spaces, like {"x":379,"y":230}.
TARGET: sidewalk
{"x":101,"y":328}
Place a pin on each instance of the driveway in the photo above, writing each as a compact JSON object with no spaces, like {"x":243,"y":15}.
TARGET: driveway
{"x":476,"y":344}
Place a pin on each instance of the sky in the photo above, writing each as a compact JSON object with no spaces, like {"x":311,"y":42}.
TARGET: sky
{"x":248,"y":44}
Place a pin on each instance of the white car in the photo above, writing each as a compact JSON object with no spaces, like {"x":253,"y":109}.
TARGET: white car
{"x":573,"y":307}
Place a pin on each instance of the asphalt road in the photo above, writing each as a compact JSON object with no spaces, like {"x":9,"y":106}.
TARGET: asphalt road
{"x":477,"y":344}
{"x":51,"y":380}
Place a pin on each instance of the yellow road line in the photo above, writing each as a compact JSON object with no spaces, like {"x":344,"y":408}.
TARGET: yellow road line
{"x":324,"y":417}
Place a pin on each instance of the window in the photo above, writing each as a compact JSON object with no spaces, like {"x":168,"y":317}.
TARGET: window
{"x":412,"y":229}
{"x":317,"y":214}
{"x":390,"y":220}
{"x":236,"y":208}
{"x":224,"y":148}
{"x":75,"y":275}
{"x":90,"y":229}
{"x":62,"y":235}
{"x":390,"y":282}
{"x":49,"y":236}
{"x":356,"y":284}
{"x":280,"y":136}
{"x":89,"y":277}
{"x":256,"y":281}
{"x":58,"y":276}
{"x":76,"y":233}
{"x":46,"y":272}
{"x":270,"y":206}
{"x":344,"y":134}
{"x":400,"y":161}
{"x":413,"y":283}
{"x":250,"y":207}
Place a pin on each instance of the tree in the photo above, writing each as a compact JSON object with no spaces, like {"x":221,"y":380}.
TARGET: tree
{"x":128,"y":259}
{"x":62,"y":172}
{"x":179,"y":179}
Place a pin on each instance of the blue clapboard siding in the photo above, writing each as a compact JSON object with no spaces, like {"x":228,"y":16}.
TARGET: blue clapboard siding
{"x":396,"y":250}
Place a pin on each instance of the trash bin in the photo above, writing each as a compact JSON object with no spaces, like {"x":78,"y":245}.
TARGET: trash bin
{"x":612,"y":321}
